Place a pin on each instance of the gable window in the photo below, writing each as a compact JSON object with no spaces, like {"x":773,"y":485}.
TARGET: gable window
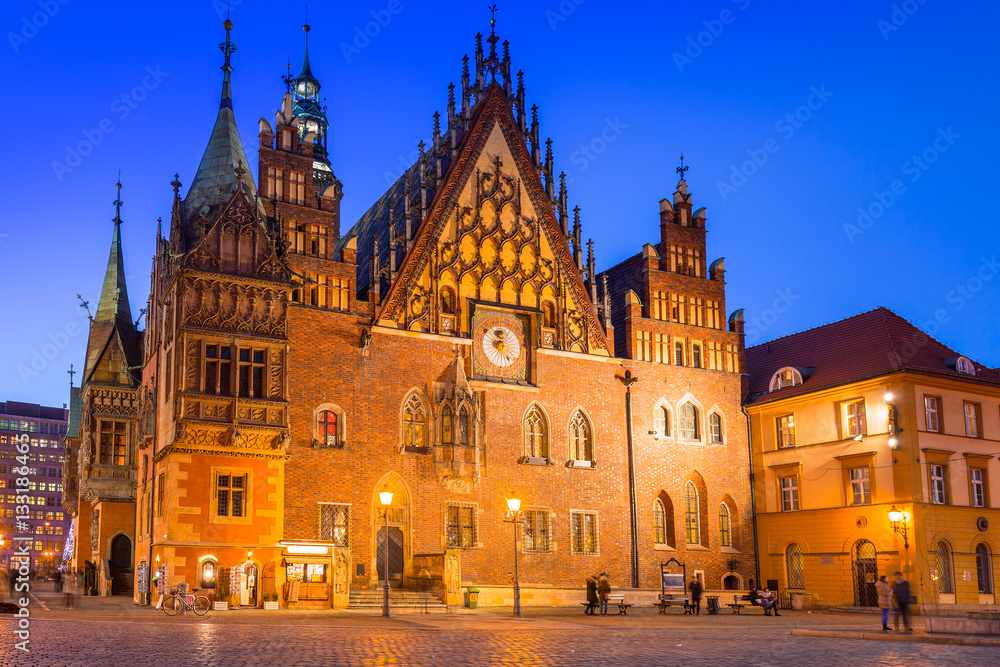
{"x":583,"y":526}
{"x":973,"y":419}
{"x":725,"y":526}
{"x":328,"y":428}
{"x":861,"y":490}
{"x":793,"y":566}
{"x":581,"y":439}
{"x":786,"y":377}
{"x":335,"y":523}
{"x":661,"y":421}
{"x":855,"y":421}
{"x":715,"y":428}
{"x":938,"y":483}
{"x":786,"y":431}
{"x":942,"y":559}
{"x":692,"y":525}
{"x":536,"y":435}
{"x":977,"y":478}
{"x":963,"y":365}
{"x":460,"y":525}
{"x":537,"y":530}
{"x":414,"y":422}
{"x":984,"y":569}
{"x":230,"y":494}
{"x":932,"y":411}
{"x":689,"y":422}
{"x":789,"y":493}
{"x":447,"y":428}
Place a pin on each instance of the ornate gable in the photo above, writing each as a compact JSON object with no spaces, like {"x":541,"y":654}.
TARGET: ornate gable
{"x":491,"y":237}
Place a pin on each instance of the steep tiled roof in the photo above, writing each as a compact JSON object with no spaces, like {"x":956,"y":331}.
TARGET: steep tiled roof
{"x":875,"y":343}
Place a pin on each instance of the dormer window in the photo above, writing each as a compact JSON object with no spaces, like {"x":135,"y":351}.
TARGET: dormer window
{"x":963,"y":365}
{"x":786,"y":377}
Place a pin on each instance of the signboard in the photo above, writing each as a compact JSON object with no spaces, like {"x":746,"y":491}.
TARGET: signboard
{"x":673,"y":580}
{"x":293,"y":591}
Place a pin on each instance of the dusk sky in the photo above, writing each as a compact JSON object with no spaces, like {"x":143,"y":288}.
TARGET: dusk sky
{"x":846,"y":152}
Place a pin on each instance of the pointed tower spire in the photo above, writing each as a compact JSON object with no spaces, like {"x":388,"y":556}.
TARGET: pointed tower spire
{"x":114,"y":293}
{"x":577,"y":244}
{"x":563,"y":215}
{"x":306,"y":104}
{"x":591,"y":275}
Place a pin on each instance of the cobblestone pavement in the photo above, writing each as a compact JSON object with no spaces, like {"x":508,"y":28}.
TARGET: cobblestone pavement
{"x":116,"y":633}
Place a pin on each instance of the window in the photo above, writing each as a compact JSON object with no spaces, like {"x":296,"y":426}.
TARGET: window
{"x":312,"y":573}
{"x":939,"y":494}
{"x":661,"y":421}
{"x":732,"y":359}
{"x":327,"y":423}
{"x":113,"y":442}
{"x":584,"y":532}
{"x":581,"y":439}
{"x":964,"y":365}
{"x":692,"y":525}
{"x":786,"y":431}
{"x":696,"y":356}
{"x":335,"y":523}
{"x":251,"y":369}
{"x":689,"y":422}
{"x":855,"y":422}
{"x":218,"y":371}
{"x":230,"y":494}
{"x":984,"y":569}
{"x":463,"y":426}
{"x":679,"y":353}
{"x":663,"y":520}
{"x":339,"y":291}
{"x":536,"y":437}
{"x":660,"y":305}
{"x":977,"y":477}
{"x":537,"y":530}
{"x":414,"y":422}
{"x":786,"y":377}
{"x":789,"y":493}
{"x":678,"y":308}
{"x":208,"y":574}
{"x":447,"y":426}
{"x":793,"y":566}
{"x":275,"y":178}
{"x":644,"y":346}
{"x":942,"y":560}
{"x":160,"y":495}
{"x":460,"y":525}
{"x":714,"y":356}
{"x":932,"y":417}
{"x":973,"y":419}
{"x":715,"y":428}
{"x":725,"y":526}
{"x":861,"y":490}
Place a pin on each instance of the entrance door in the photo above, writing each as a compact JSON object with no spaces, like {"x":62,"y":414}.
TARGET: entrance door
{"x":865,"y":568}
{"x":120,"y":564}
{"x":248,"y":585}
{"x":395,"y":547}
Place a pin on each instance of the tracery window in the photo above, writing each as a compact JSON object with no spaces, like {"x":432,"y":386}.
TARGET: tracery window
{"x":689,"y":422}
{"x":414,"y":422}
{"x":581,"y":438}
{"x":447,"y":426}
{"x":692,"y":523}
{"x":536,"y":435}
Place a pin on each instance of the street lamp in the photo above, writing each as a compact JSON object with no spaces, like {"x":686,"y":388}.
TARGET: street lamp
{"x":514,"y":517}
{"x":899,"y":519}
{"x":386,"y":498}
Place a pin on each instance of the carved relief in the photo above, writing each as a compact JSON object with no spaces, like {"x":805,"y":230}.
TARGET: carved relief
{"x":453,"y":574}
{"x":193,"y":371}
{"x":95,"y":527}
{"x":277,"y":375}
{"x":226,"y":306}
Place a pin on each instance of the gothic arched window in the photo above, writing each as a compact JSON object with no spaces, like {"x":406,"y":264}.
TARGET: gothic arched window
{"x":463,"y":426}
{"x":689,"y":422}
{"x":725,"y":526}
{"x":414,"y":422}
{"x":536,"y":433}
{"x":447,"y":427}
{"x":581,"y":438}
{"x":692,"y":520}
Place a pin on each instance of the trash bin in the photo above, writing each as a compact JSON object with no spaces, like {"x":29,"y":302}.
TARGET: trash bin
{"x":713,"y":603}
{"x":473,"y":599}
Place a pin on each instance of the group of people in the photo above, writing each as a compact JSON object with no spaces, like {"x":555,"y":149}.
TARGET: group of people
{"x":598,"y":594}
{"x":765,"y":599}
{"x":899,"y":597}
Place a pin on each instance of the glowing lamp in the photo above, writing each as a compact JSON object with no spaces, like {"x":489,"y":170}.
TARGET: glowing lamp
{"x":888,"y":397}
{"x":895,"y":515}
{"x":513,"y":504}
{"x":385,"y":497}
{"x":893,"y":442}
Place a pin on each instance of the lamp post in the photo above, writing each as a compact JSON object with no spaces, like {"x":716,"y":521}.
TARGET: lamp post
{"x":514,"y":517}
{"x":386,"y":498}
{"x":899,"y":519}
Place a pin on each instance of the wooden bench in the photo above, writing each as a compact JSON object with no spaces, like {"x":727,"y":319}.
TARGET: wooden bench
{"x":614,"y":600}
{"x":673,"y":600}
{"x":741,"y":601}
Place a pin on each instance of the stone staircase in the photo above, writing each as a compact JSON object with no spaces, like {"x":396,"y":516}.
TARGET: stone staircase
{"x":403,"y":601}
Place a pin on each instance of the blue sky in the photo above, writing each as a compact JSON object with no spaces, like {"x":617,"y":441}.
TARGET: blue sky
{"x":792,"y":119}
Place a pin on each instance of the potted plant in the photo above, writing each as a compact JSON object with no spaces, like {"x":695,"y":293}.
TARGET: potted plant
{"x":220,"y":603}
{"x":268,"y":603}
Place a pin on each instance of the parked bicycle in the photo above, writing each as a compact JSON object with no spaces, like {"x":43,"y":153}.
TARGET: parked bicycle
{"x":175,"y":603}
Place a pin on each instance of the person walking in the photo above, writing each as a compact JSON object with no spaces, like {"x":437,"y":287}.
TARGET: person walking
{"x":884,"y":600}
{"x":696,"y":588}
{"x":591,"y":595}
{"x":604,"y":593}
{"x":901,"y":595}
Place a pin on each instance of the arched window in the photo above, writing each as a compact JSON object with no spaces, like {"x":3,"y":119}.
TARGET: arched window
{"x":327,"y":425}
{"x":536,"y":433}
{"x":447,"y":432}
{"x":661,"y":421}
{"x":692,"y":525}
{"x":581,"y":438}
{"x":793,"y":566}
{"x":725,"y":526}
{"x":786,"y":377}
{"x":447,"y":301}
{"x":548,"y":315}
{"x":715,"y":428}
{"x":209,"y":571}
{"x":942,"y":560}
{"x":414,"y":422}
{"x":463,"y":426}
{"x":964,"y":365}
{"x":984,"y":569}
{"x":663,"y":520}
{"x":689,"y":422}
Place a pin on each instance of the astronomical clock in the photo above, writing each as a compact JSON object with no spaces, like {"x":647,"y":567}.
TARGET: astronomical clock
{"x":500,"y":345}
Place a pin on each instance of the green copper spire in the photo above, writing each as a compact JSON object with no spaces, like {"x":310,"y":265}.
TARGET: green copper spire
{"x":114,"y":294}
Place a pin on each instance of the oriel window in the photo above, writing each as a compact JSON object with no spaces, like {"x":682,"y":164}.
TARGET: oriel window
{"x":218,"y":369}
{"x":251,"y":369}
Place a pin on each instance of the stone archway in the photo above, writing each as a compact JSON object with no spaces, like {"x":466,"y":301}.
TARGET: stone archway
{"x":398,"y":540}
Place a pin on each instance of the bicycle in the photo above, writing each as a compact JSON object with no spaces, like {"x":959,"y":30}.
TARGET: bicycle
{"x":174,"y":603}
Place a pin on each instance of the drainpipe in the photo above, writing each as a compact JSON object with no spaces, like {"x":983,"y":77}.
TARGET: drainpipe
{"x":753,"y":500}
{"x":628,"y":381}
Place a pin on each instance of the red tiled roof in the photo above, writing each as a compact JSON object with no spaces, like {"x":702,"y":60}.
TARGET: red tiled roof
{"x":874,"y":343}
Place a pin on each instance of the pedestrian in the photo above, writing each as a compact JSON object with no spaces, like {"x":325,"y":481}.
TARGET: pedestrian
{"x":591,"y":595}
{"x":696,"y":589}
{"x":604,"y":593}
{"x":768,"y":601}
{"x":902,"y":595}
{"x":58,"y":578}
{"x":11,"y":580}
{"x":69,"y":590}
{"x":425,"y":589}
{"x":884,"y":600}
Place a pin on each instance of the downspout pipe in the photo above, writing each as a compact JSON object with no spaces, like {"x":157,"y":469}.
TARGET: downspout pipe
{"x":753,"y":499}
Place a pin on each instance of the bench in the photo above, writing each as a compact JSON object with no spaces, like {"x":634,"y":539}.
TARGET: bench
{"x":741,"y":601}
{"x":673,"y":600}
{"x":614,"y":600}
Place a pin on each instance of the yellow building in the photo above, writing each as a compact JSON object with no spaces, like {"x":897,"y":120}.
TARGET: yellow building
{"x":862,"y":421}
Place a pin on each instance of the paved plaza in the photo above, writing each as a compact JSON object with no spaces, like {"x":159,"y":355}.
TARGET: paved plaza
{"x":114,"y":632}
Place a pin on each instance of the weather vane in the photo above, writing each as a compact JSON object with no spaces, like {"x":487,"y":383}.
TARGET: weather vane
{"x":681,"y":169}
{"x":288,"y":77}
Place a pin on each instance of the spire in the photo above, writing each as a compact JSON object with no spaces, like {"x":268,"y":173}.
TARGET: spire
{"x":228,"y":48}
{"x":306,"y":70}
{"x":114,"y":294}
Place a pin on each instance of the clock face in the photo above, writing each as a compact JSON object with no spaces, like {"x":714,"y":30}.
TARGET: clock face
{"x":499,"y":347}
